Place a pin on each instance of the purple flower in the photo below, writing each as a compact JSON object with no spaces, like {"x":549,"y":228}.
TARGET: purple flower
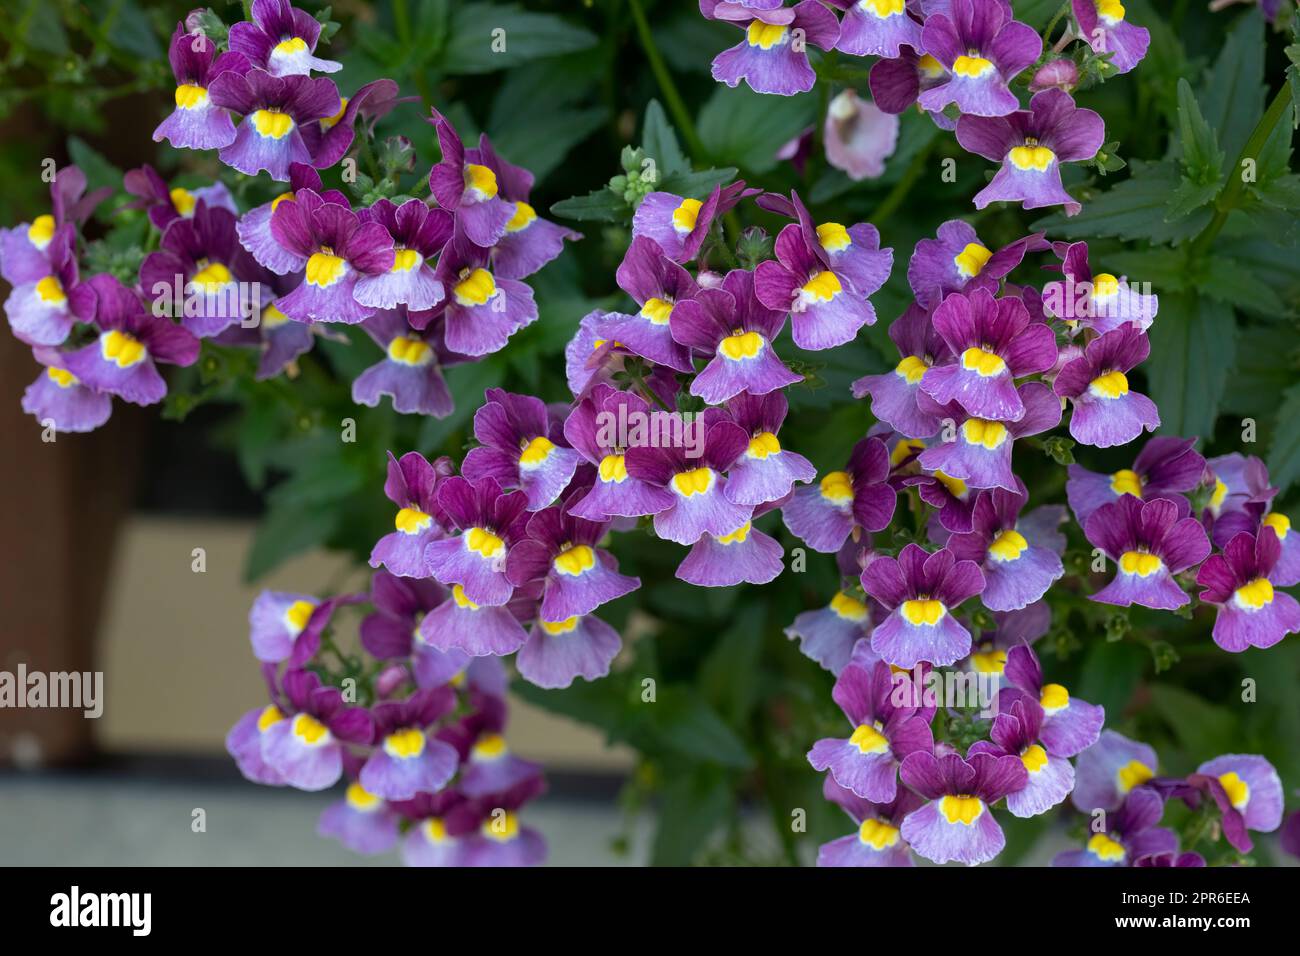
{"x":28,"y":249}
{"x":1149,"y":544}
{"x":679,"y":224}
{"x":489,"y":523}
{"x":830,"y":635}
{"x":202,"y":275}
{"x":1240,"y":490}
{"x":1128,"y":835}
{"x":1251,"y":613}
{"x":560,"y":550}
{"x":196,"y":123}
{"x":1017,"y":571}
{"x":418,"y":234}
{"x":411,"y":370}
{"x":592,"y":358}
{"x":520,"y":448}
{"x":979,"y":452}
{"x":853,"y":254}
{"x":1031,"y":145}
{"x":329,"y":138}
{"x":274,"y":110}
{"x":339,"y":250}
{"x":470,"y":191}
{"x":254,"y":226}
{"x":441,"y":824}
{"x":994,"y":342}
{"x":244,"y":743}
{"x":1166,"y":466}
{"x":766,"y":471}
{"x":773,"y":57}
{"x":598,"y":428}
{"x":163,"y":205}
{"x":898,"y":82}
{"x":392,"y":631}
{"x":557,"y":653}
{"x":412,"y":484}
{"x":921,"y":591}
{"x":957,"y":823}
{"x":42,"y":309}
{"x":956,"y":261}
{"x":893,"y":393}
{"x":1070,"y":725}
{"x":306,"y":747}
{"x":1287,"y":570}
{"x":736,"y":332}
{"x":1106,"y":412}
{"x":529,"y":241}
{"x":407,"y":760}
{"x":488,"y":767}
{"x":884,"y":733}
{"x":1061,"y":73}
{"x":824,"y":311}
{"x":281,"y":40}
{"x":1015,"y":732}
{"x":693,"y":473}
{"x":858,"y":135}
{"x":876,"y":27}
{"x":1108,"y":771}
{"x":122,"y":360}
{"x":659,"y":285}
{"x":746,"y":555}
{"x":482,"y":310}
{"x":1103,"y":25}
{"x":983,"y":50}
{"x":844,"y":502}
{"x":57,"y":397}
{"x":1101,"y":302}
{"x":361,"y":821}
{"x":1248,"y":792}
{"x":877,"y":841}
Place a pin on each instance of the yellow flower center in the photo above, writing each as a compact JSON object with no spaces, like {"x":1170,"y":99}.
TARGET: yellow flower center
{"x":412,"y":521}
{"x":764,"y":35}
{"x":910,"y":369}
{"x":359,"y":798}
{"x":297,"y":615}
{"x":971,"y":260}
{"x":1238,"y":790}
{"x":971,"y":67}
{"x":883,"y":8}
{"x":822,"y":287}
{"x":1105,"y":848}
{"x":272,"y":124}
{"x":404,"y":260}
{"x":923,"y":611}
{"x":1104,"y":286}
{"x":613,"y":469}
{"x":1141,"y":563}
{"x":1008,"y":546}
{"x":122,"y":348}
{"x":525,"y":215}
{"x":1126,"y":482}
{"x":1034,"y":758}
{"x":475,"y":288}
{"x":746,"y":345}
{"x":405,"y":743}
{"x":1112,"y":11}
{"x":269,"y":716}
{"x":695,"y":482}
{"x":481,"y":180}
{"x":556,"y":628}
{"x":985,"y":363}
{"x":291,"y":46}
{"x":980,"y":431}
{"x":61,"y":377}
{"x":738,"y":536}
{"x":989,"y":661}
{"x":876,"y":834}
{"x":848,"y":608}
{"x":406,"y":350}
{"x":484,"y":542}
{"x":50,"y":291}
{"x":684,"y":215}
{"x":762,"y":445}
{"x":869,"y":739}
{"x":961,"y":809}
{"x":41,"y":231}
{"x":1037,"y":158}
{"x":536,"y":452}
{"x":183,"y":201}
{"x":458,"y":595}
{"x":490,"y":746}
{"x":1279,"y":522}
{"x":1254,"y":595}
{"x":956,"y":487}
{"x":310,"y":730}
{"x":833,"y":237}
{"x":211,"y":276}
{"x":1132,"y":774}
{"x":1054,"y":697}
{"x":657,"y":311}
{"x":324,"y":269}
{"x":189,"y":96}
{"x":837,"y":488}
{"x":1110,"y":385}
{"x":576,"y":560}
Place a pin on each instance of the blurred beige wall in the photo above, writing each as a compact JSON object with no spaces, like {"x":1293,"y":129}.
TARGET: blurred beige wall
{"x":178,"y":669}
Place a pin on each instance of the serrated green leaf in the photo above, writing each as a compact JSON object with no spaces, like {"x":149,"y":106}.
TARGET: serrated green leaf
{"x":1132,"y":209}
{"x":1233,"y":282}
{"x":1193,"y":346}
{"x":747,"y":128}
{"x":1232,"y":93}
{"x":1284,"y":453}
{"x":546,"y":137}
{"x":699,"y":184}
{"x":601,"y":205}
{"x":693,"y":807}
{"x":484,"y":37}
{"x":660,"y":142}
{"x":1202,"y":157}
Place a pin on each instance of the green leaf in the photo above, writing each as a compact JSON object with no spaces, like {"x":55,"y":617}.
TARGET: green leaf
{"x":747,"y":128}
{"x":1284,"y":454}
{"x":1111,"y":674}
{"x":99,"y":171}
{"x":1202,"y":156}
{"x":683,"y":724}
{"x":546,"y":137}
{"x":1235,"y":283}
{"x":699,"y":184}
{"x":693,"y":807}
{"x":1232,"y":94}
{"x":288,"y":529}
{"x":1132,"y":209}
{"x":39,"y":27}
{"x":602,"y":205}
{"x":1198,"y":726}
{"x":485,"y":37}
{"x":660,"y":141}
{"x":1193,"y":346}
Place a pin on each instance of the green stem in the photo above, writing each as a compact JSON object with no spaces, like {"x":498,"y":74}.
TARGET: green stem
{"x":895,"y":198}
{"x":1228,"y":199}
{"x":681,"y":116}
{"x":1047,"y":34}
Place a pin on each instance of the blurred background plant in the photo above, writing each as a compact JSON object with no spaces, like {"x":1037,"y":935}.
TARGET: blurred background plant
{"x":575,"y":97}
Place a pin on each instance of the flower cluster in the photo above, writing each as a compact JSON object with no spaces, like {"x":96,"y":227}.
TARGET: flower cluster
{"x":418,"y":733}
{"x":958,"y":61}
{"x":432,"y":284}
